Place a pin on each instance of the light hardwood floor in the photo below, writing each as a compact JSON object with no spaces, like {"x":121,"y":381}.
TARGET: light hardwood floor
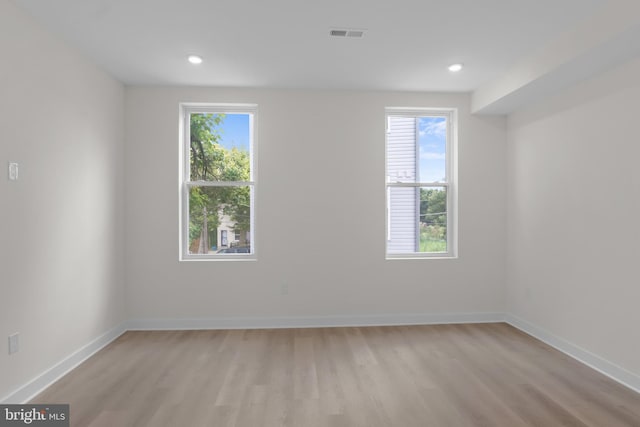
{"x":444,"y":375}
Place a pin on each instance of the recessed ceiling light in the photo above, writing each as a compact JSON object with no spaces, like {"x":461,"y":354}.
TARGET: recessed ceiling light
{"x":195,"y":59}
{"x":454,"y":68}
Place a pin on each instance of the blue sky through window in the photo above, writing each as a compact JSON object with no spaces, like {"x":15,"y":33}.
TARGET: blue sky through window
{"x":234,"y":131}
{"x":432,"y":142}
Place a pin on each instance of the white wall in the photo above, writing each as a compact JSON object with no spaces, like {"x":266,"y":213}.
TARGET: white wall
{"x":321,"y":175}
{"x":574,"y":216}
{"x":61,"y":224}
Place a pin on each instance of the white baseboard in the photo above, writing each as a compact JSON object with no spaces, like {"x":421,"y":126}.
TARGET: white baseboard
{"x":312,"y":322}
{"x":601,"y":365}
{"x":51,"y":375}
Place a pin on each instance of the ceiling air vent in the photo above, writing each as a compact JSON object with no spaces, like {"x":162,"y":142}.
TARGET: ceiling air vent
{"x":346,"y":33}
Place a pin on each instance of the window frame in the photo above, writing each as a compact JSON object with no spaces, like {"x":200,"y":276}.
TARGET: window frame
{"x":451,"y":184}
{"x":185,"y":111}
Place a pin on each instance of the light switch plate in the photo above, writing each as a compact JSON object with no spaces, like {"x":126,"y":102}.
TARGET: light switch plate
{"x":13,"y":171}
{"x":14,"y":345}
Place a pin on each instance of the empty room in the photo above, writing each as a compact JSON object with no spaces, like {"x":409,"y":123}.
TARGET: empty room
{"x":320,"y":213}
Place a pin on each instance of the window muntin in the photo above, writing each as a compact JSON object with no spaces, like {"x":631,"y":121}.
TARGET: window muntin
{"x":420,"y":183}
{"x":217,"y":181}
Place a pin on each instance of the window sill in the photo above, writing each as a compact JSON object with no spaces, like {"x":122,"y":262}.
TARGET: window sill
{"x":218,"y":258}
{"x":393,"y":257}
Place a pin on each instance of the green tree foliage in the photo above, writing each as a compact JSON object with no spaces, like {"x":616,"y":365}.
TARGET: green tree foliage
{"x":210,"y":161}
{"x":433,"y":206}
{"x":433,"y":214}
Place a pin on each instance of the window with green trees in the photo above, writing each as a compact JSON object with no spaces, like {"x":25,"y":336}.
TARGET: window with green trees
{"x":420,"y":183}
{"x":218,"y":181}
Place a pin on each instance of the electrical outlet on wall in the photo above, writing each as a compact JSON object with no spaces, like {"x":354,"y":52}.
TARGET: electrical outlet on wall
{"x":284,"y":289}
{"x":14,"y":345}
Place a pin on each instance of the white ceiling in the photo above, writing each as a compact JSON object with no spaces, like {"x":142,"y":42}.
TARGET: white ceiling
{"x":285,"y":43}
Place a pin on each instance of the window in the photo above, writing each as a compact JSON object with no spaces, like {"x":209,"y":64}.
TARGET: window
{"x":217,"y":171}
{"x":420,"y":183}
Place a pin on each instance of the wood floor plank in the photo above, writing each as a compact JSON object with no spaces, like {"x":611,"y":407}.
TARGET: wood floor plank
{"x":444,"y":375}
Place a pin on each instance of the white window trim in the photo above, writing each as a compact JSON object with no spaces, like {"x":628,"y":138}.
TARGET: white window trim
{"x":184,"y":183}
{"x":451,"y":114}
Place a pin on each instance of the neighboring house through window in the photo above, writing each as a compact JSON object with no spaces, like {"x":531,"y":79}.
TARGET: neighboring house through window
{"x":217,"y":181}
{"x":420,"y":183}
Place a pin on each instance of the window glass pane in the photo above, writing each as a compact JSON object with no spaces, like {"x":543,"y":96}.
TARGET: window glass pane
{"x":401,"y":149}
{"x":432,"y":149}
{"x":433,"y":219}
{"x":403,"y":219}
{"x":417,"y":220}
{"x":219,"y":220}
{"x":220,"y":147}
